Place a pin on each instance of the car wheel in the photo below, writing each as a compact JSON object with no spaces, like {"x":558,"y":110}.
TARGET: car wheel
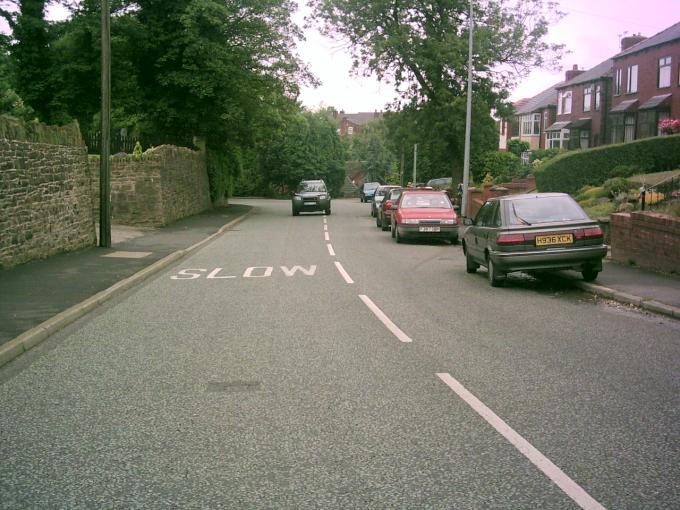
{"x":470,"y":265}
{"x":396,"y":235}
{"x":328,"y":211}
{"x":492,"y":273}
{"x":383,"y":226}
{"x":589,"y":275}
{"x":454,"y":240}
{"x":296,"y":213}
{"x":378,"y":221}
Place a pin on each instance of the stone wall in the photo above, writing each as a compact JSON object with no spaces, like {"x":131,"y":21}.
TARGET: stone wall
{"x":647,"y":239}
{"x":45,"y":200}
{"x":161,"y":186}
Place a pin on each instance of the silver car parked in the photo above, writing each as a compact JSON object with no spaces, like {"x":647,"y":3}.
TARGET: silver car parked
{"x":533,"y":233}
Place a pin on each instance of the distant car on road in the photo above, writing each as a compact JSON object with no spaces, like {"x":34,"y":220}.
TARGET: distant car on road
{"x":311,"y":196}
{"x":387,"y":206}
{"x":367,"y":191}
{"x":424,"y":214}
{"x":533,"y":233}
{"x":379,"y":196}
{"x":441,"y":183}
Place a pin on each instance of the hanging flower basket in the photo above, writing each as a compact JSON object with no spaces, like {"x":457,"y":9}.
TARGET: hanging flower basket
{"x":669,"y":126}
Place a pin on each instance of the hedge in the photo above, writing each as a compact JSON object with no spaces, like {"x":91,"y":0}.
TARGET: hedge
{"x":572,"y":170}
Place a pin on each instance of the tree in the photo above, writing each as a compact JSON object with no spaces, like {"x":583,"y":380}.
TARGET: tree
{"x":421,"y":45}
{"x":371,"y":149}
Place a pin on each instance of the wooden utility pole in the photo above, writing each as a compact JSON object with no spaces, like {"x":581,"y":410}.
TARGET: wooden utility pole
{"x":104,"y":160}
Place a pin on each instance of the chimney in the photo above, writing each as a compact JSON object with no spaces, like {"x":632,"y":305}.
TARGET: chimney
{"x":572,"y":73}
{"x":631,"y":40}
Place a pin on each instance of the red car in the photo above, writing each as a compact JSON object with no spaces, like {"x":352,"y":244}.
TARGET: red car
{"x":424,"y":214}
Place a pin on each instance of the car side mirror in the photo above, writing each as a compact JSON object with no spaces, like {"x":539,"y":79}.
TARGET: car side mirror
{"x":468,"y":221}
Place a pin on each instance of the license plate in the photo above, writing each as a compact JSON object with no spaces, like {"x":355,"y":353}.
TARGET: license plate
{"x":310,"y":203}
{"x":554,"y":239}
{"x":428,"y":229}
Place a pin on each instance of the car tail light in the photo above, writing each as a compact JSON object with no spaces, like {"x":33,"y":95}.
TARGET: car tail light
{"x":593,"y":232}
{"x":387,"y":205}
{"x":507,"y":239}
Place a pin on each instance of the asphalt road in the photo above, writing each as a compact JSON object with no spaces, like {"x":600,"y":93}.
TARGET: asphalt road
{"x":391,"y":380}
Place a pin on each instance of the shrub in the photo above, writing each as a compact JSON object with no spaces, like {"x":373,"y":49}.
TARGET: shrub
{"x":600,"y":210}
{"x":545,"y":154}
{"x":572,"y":170}
{"x":618,"y":185}
{"x":591,"y":193}
{"x":503,"y":166}
{"x":517,"y":146}
{"x":626,"y":171}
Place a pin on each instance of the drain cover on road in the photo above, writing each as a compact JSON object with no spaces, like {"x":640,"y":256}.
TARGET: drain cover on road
{"x":233,"y":386}
{"x":128,"y":254}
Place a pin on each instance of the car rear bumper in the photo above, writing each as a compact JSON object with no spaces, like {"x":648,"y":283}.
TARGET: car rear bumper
{"x":413,"y":232}
{"x":568,"y":258}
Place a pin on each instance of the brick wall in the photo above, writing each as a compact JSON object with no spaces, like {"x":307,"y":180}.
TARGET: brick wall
{"x":45,"y":202}
{"x":160,"y":186}
{"x":647,"y":239}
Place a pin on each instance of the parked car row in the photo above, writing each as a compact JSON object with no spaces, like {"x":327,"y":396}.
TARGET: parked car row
{"x":415,"y":213}
{"x":534,"y":233}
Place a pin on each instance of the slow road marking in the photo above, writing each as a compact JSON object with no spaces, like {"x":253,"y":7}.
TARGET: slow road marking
{"x":343,"y":273}
{"x":558,"y":477}
{"x":403,"y":337}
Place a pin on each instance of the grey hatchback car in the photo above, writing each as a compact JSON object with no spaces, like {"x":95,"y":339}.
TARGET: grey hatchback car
{"x":311,"y":196}
{"x":533,"y":233}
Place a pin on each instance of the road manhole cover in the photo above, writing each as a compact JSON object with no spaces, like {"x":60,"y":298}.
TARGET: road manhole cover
{"x":233,"y":386}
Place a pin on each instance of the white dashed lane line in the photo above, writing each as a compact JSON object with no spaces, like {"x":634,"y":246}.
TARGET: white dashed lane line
{"x":555,"y":474}
{"x":331,"y":252}
{"x":343,"y":273}
{"x":403,"y":337}
{"x":326,"y":236}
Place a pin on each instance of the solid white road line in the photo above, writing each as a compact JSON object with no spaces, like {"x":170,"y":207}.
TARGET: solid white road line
{"x":326,"y":236}
{"x":343,"y":273}
{"x":385,"y":319}
{"x":569,"y":486}
{"x":331,"y":252}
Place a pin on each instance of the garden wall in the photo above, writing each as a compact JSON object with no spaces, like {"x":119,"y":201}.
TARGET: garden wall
{"x":647,"y":239}
{"x":161,"y":186}
{"x":45,"y":200}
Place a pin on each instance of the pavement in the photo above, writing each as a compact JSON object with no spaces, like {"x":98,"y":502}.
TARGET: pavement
{"x":41,"y":297}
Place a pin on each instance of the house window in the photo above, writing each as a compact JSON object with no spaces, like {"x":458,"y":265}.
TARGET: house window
{"x":584,"y":139}
{"x":629,"y":127}
{"x":617,"y":83}
{"x":531,"y":124}
{"x":616,"y":127}
{"x":557,"y":139}
{"x":664,"y":72}
{"x":647,"y":123}
{"x":632,"y":79}
{"x":350,"y":130}
{"x":564,"y":103}
{"x":587,"y":97}
{"x":598,"y":92}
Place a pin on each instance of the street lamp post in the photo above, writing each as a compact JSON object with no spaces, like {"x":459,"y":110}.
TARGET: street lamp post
{"x":104,"y":163}
{"x":468,"y":122}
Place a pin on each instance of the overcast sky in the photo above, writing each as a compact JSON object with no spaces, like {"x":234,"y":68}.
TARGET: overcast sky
{"x":591,"y":30}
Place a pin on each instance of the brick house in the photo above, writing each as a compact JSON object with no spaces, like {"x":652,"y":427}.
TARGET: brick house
{"x":533,"y":116}
{"x":582,"y":106}
{"x":645,"y":86}
{"x":352,"y":123}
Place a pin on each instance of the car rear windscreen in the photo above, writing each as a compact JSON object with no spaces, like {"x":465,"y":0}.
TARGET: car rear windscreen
{"x":425,"y":200}
{"x":529,"y":211}
{"x":311,"y":186}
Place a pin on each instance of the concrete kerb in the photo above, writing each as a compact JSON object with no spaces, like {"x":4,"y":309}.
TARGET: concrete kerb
{"x":623,"y":297}
{"x":36,"y":335}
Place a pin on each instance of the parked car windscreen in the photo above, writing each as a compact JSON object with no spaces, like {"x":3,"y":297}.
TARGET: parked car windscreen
{"x":370,"y":185}
{"x":382,"y":191}
{"x":534,"y":210}
{"x":425,"y":200}
{"x":311,"y":186}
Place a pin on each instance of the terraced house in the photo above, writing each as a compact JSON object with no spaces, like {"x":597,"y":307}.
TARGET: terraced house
{"x":619,"y":100}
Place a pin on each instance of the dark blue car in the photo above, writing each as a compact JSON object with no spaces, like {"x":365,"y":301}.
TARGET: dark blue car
{"x":367,"y":191}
